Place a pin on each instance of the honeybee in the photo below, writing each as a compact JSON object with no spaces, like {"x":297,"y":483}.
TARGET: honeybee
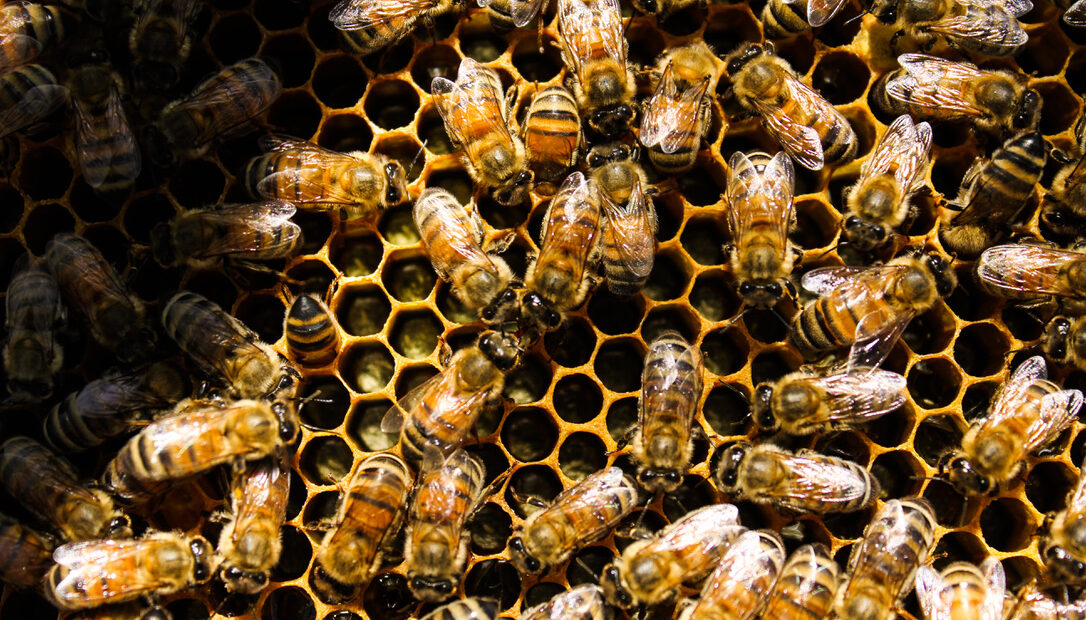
{"x":585,"y":602}
{"x":223,"y":347}
{"x":369,"y":25}
{"x":437,"y":540}
{"x":204,"y":238}
{"x":868,"y":308}
{"x":369,"y":515}
{"x":674,"y":122}
{"x":216,"y":108}
{"x":104,"y":142}
{"x":1064,"y":341}
{"x":33,"y":315}
{"x":249,"y":546}
{"x":806,"y":126}
{"x":805,"y":587}
{"x":627,"y":241}
{"x":454,"y":240}
{"x":615,"y":170}
{"x":1021,"y":271}
{"x":882,"y":565}
{"x":993,"y":194}
{"x":594,"y":48}
{"x":124,"y":611}
{"x":579,"y":515}
{"x":962,"y":590}
{"x":505,"y":15}
{"x":804,"y":482}
{"x":559,"y":279}
{"x":26,"y":30}
{"x":1028,"y":413}
{"x":742,"y":581}
{"x":27,"y":95}
{"x":465,"y":609}
{"x":111,"y":405}
{"x":311,"y":331}
{"x":551,"y":133}
{"x":986,"y":27}
{"x":115,"y":316}
{"x":650,"y":571}
{"x":99,"y":572}
{"x":784,"y":18}
{"x":477,"y":121}
{"x":25,"y":555}
{"x":879,"y":201}
{"x":160,"y":43}
{"x":356,"y":184}
{"x":1034,"y":604}
{"x":437,"y":415}
{"x":1064,"y":206}
{"x":806,"y":402}
{"x":935,"y":89}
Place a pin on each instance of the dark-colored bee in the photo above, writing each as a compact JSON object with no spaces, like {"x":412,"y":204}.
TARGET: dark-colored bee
{"x":312,"y":332}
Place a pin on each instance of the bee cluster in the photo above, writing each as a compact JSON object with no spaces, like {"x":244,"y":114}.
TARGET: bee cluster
{"x":242,"y":235}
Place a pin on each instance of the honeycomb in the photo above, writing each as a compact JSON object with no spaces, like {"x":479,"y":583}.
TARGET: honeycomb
{"x":573,"y":397}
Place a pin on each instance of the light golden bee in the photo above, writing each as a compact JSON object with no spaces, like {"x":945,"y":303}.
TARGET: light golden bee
{"x":313,"y":178}
{"x":108,"y":571}
{"x":1031,"y":272}
{"x":204,"y":238}
{"x":505,"y":15}
{"x":628,"y":230}
{"x":579,"y":516}
{"x":784,"y":18}
{"x":28,"y":95}
{"x":594,"y":49}
{"x":878,"y":204}
{"x":986,"y":27}
{"x":552,"y":134}
{"x":584,"y":602}
{"x":806,"y":126}
{"x":477,"y":121}
{"x":249,"y":546}
{"x":124,"y":611}
{"x":742,"y":581}
{"x":1064,"y":206}
{"x":1064,"y":341}
{"x":615,"y":170}
{"x":962,"y":590}
{"x":311,"y":331}
{"x":882,"y":565}
{"x":105,"y":144}
{"x":936,"y":89}
{"x":369,"y":25}
{"x":25,"y":555}
{"x":465,"y":609}
{"x":33,"y":315}
{"x":28,"y":29}
{"x":1032,"y":603}
{"x":803,"y":482}
{"x":674,"y":122}
{"x":438,"y":415}
{"x":993,"y":195}
{"x":806,"y":585}
{"x":160,"y":43}
{"x":1028,"y":413}
{"x":650,"y":571}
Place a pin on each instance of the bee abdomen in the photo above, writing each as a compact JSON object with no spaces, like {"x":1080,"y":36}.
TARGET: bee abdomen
{"x":781,"y":19}
{"x":311,"y":332}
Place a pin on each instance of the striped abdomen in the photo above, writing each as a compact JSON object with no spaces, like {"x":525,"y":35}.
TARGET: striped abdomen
{"x":386,"y":30}
{"x":32,"y":87}
{"x":250,"y":545}
{"x":569,"y":237}
{"x":443,"y":501}
{"x":465,"y":609}
{"x":440,"y":420}
{"x":916,"y":91}
{"x":28,"y":23}
{"x":839,"y":142}
{"x":781,"y":19}
{"x":830,"y":321}
{"x":1002,"y":186}
{"x":312,"y":336}
{"x":25,"y":556}
{"x":108,"y":155}
{"x":806,"y":586}
{"x":32,"y":354}
{"x":552,"y":133}
{"x":739,"y":585}
{"x":670,"y":391}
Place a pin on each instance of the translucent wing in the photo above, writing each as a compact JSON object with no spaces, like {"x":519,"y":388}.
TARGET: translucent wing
{"x":115,"y":396}
{"x":19,"y":49}
{"x":711,"y":528}
{"x":1027,"y":269}
{"x":473,"y":100}
{"x":760,"y":200}
{"x":1015,"y":8}
{"x":260,"y":491}
{"x":819,"y":12}
{"x":654,"y":123}
{"x":524,"y":11}
{"x":823,"y":478}
{"x":36,"y":104}
{"x":591,"y":496}
{"x":102,"y":569}
{"x":460,"y":238}
{"x":749,"y":567}
{"x":589,"y":30}
{"x":1076,"y":14}
{"x":1058,"y":411}
{"x":396,"y":415}
{"x":560,"y":229}
{"x":440,"y":492}
{"x":672,"y":117}
{"x":880,"y":536}
{"x":903,"y":149}
{"x":217,"y":99}
{"x":860,"y":396}
{"x":876,"y":334}
{"x":91,"y":133}
{"x":799,"y":141}
{"x":996,"y":580}
{"x":929,"y":82}
{"x":827,"y":279}
{"x":630,"y":229}
{"x":359,"y":14}
{"x":171,"y":437}
{"x":259,"y":227}
{"x":929,"y":590}
{"x":93,"y":283}
{"x":1015,"y":391}
{"x":980,"y":27}
{"x":305,"y":172}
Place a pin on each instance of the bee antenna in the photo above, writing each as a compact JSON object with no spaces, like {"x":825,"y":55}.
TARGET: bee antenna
{"x":832,"y":249}
{"x":849,"y":21}
{"x":780,"y":317}
{"x":422,"y":149}
{"x":626,"y":28}
{"x":588,"y":569}
{"x":728,"y":325}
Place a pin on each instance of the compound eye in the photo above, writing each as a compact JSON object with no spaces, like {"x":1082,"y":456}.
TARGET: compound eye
{"x":533,"y":564}
{"x":746,"y":288}
{"x":650,"y":6}
{"x":595,"y":160}
{"x":552,"y":319}
{"x":775,"y":289}
{"x":672,"y":476}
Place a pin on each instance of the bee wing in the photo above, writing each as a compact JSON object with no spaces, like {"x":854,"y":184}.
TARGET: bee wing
{"x":22,"y":48}
{"x":799,"y":141}
{"x":95,"y":563}
{"x":827,"y":279}
{"x":396,"y":416}
{"x":263,"y":227}
{"x":260,"y":491}
{"x":929,"y":588}
{"x":815,"y":477}
{"x":631,"y":228}
{"x":995,"y":578}
{"x":710,"y":528}
{"x":862,"y":395}
{"x":522,"y":11}
{"x":460,"y":234}
{"x":905,"y":146}
{"x":35,"y":105}
{"x":259,"y":78}
{"x":567,"y":206}
{"x":1014,"y":391}
{"x":876,"y":335}
{"x":1006,"y":32}
{"x":655,"y":122}
{"x":670,"y":116}
{"x":469,"y":101}
{"x":1015,"y":8}
{"x":305,"y":174}
{"x":1058,"y":411}
{"x":757,"y":198}
{"x":113,"y":397}
{"x":90,"y":128}
{"x":1026,"y":268}
{"x":583,"y":25}
{"x":819,"y":12}
{"x":1076,"y":14}
{"x":931,"y":70}
{"x":603,"y":488}
{"x":359,"y":14}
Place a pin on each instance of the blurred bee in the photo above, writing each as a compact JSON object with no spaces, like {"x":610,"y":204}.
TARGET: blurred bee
{"x":1034,"y":604}
{"x":369,"y":25}
{"x":124,"y":611}
{"x":454,"y":240}
{"x":935,"y":89}
{"x":28,"y":29}
{"x":559,"y":278}
{"x":1064,"y":341}
{"x":584,"y":602}
{"x":993,"y":194}
{"x":505,"y":15}
{"x":160,"y":42}
{"x":803,"y":482}
{"x":112,"y":405}
{"x":369,"y":515}
{"x":311,"y":331}
{"x":437,"y":539}
{"x":204,"y":238}
{"x":674,"y":122}
{"x":99,"y":572}
{"x":104,"y":142}
{"x":742,"y":581}
{"x":594,"y":48}
{"x":115,"y":316}
{"x":627,"y":240}
{"x":33,"y":315}
{"x":355,"y":184}
{"x":1031,"y":272}
{"x":551,"y":133}
{"x":437,"y":415}
{"x":805,"y":587}
{"x":878,"y":203}
{"x":216,"y":108}
{"x":962,"y":591}
{"x":784,"y":18}
{"x":465,"y":609}
{"x":806,"y":126}
{"x":25,"y":555}
{"x":1064,"y":207}
{"x":249,"y":546}
{"x":760,"y":212}
{"x":650,"y":571}
{"x":986,"y":27}
{"x":28,"y":95}
{"x":579,"y":515}
{"x":882,"y":565}
{"x":1028,"y":413}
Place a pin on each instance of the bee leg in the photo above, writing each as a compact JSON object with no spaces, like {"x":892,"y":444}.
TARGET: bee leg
{"x":529,"y":500}
{"x":624,"y":441}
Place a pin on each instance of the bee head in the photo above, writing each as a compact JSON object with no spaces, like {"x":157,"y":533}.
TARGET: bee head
{"x":760,"y":294}
{"x":1028,"y":112}
{"x":863,"y":235}
{"x":500,"y":349}
{"x":1063,"y":565}
{"x":516,"y":191}
{"x":613,"y":589}
{"x":659,"y":480}
{"x":286,"y":414}
{"x":396,"y":180}
{"x":727,"y":473}
{"x":1056,"y":337}
{"x":959,"y":471}
{"x":763,"y":412}
{"x":204,"y":556}
{"x":119,"y":527}
{"x":538,"y":309}
{"x":501,"y":308}
{"x":945,"y":278}
{"x":431,"y":590}
{"x":613,"y":120}
{"x":524,"y":562}
{"x":33,"y":390}
{"x":329,"y":589}
{"x":740,"y":58}
{"x":245,"y":582}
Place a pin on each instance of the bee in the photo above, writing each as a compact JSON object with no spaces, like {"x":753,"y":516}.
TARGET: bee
{"x":28,"y":29}
{"x":806,"y":585}
{"x":160,"y":42}
{"x":579,"y":515}
{"x":882,"y":565}
{"x":25,"y":555}
{"x":664,"y":9}
{"x":806,"y":402}
{"x":1020,"y":271}
{"x":437,"y":415}
{"x":674,"y":122}
{"x":584,"y":602}
{"x":594,"y":49}
{"x":465,"y":609}
{"x":1064,"y":341}
{"x":505,"y":15}
{"x":1064,"y":206}
{"x":437,"y":540}
{"x":368,"y":517}
{"x":551,"y":133}
{"x":615,"y":170}
{"x":627,"y":240}
{"x":993,"y":194}
{"x":99,"y":572}
{"x":784,"y":18}
{"x":803,"y":482}
{"x":104,"y":142}
{"x":356,"y":184}
{"x":1034,"y":604}
{"x":218,"y":107}
{"x":935,"y":89}
{"x":28,"y":95}
{"x":115,"y":316}
{"x":454,"y":240}
{"x":112,"y":405}
{"x":124,"y":611}
{"x":559,"y":279}
{"x":879,"y":201}
{"x":1028,"y":413}
{"x":759,"y":195}
{"x":986,"y":27}
{"x":477,"y":121}
{"x":650,"y":571}
{"x":742,"y":581}
{"x":249,"y":546}
{"x":369,"y":25}
{"x":806,"y":126}
{"x":311,"y":331}
{"x":962,"y":590}
{"x":204,"y":238}
{"x":33,"y":316}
